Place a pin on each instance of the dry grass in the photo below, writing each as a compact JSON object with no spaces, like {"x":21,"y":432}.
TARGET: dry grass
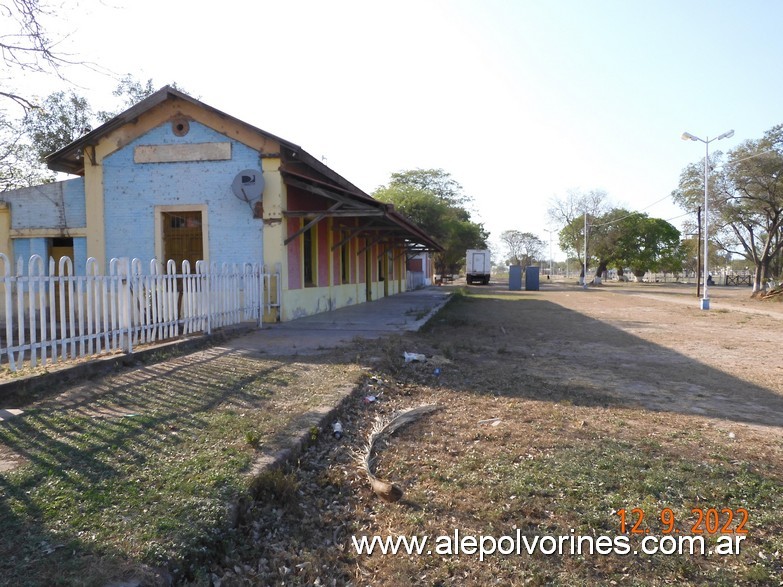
{"x":134,"y":474}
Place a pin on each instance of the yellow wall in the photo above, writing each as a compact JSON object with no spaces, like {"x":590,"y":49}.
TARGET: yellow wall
{"x":5,"y":232}
{"x":306,"y":301}
{"x":93,"y":199}
{"x":273,"y":200}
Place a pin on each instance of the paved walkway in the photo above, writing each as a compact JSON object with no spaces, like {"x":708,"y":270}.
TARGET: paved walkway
{"x":400,"y":313}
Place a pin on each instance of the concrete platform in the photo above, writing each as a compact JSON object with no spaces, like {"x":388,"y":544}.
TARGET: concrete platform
{"x":309,"y":335}
{"x":403,"y":312}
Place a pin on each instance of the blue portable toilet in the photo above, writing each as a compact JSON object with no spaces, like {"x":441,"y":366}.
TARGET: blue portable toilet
{"x":531,"y":278}
{"x":515,"y":277}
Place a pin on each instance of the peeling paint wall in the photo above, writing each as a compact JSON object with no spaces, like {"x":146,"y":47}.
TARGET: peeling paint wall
{"x":37,"y":214}
{"x":55,"y":206}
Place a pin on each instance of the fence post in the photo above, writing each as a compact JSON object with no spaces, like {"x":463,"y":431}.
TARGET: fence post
{"x":202,"y":269}
{"x":125,"y":315}
{"x":67,"y":284}
{"x":35,"y":274}
{"x":20,"y":311}
{"x":8,"y":285}
{"x":258,"y":275}
{"x":52,"y":308}
{"x":171,"y":311}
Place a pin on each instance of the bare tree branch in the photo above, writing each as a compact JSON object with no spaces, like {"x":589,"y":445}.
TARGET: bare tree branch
{"x":25,"y":45}
{"x":29,"y":48}
{"x":23,"y":102}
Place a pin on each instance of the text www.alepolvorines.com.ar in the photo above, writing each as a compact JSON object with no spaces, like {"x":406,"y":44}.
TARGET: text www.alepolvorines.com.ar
{"x":563,"y":545}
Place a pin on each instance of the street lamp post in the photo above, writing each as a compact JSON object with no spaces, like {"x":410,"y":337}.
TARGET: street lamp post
{"x":584,"y":282}
{"x":550,"y":251}
{"x":686,"y":136}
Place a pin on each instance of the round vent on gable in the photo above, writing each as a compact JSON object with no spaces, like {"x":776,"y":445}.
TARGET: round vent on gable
{"x":180,"y":126}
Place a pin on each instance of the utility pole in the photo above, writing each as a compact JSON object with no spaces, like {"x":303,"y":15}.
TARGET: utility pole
{"x":584,"y":281}
{"x":550,"y":251}
{"x":698,"y":257}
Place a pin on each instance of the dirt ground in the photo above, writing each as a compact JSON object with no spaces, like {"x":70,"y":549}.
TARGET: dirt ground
{"x":653,"y":345}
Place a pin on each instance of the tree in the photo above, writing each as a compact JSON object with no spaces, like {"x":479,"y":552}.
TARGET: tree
{"x":25,"y":47}
{"x":648,"y":244}
{"x":429,"y":198}
{"x":746,"y":202}
{"x":569,"y":212}
{"x":61,"y":119}
{"x":19,"y":165}
{"x":604,"y":235}
{"x":622,"y":239}
{"x":434,"y":181}
{"x":522,"y":247}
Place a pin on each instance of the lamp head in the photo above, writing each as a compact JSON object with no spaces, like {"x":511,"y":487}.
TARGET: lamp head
{"x":727,"y":135}
{"x":686,"y":136}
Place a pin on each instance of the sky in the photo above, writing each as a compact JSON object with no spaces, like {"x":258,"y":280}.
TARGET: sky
{"x":519,"y":100}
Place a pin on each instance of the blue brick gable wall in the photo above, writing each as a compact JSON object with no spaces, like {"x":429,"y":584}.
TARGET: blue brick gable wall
{"x":58,"y":205}
{"x":132,"y":190}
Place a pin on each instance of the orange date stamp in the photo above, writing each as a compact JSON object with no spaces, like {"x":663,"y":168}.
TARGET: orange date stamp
{"x":703,"y":521}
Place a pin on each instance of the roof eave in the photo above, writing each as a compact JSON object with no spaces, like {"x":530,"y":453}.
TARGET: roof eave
{"x":68,"y":159}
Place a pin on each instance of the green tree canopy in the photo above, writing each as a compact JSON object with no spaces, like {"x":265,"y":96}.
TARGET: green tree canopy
{"x":62,"y":118}
{"x":433,"y":181}
{"x":569,"y":212}
{"x":19,"y":163}
{"x":604,"y":234}
{"x":648,"y":244}
{"x":622,"y":239}
{"x":433,"y":200}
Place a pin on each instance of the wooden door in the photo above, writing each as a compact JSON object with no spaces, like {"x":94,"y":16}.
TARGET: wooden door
{"x":182,"y":238}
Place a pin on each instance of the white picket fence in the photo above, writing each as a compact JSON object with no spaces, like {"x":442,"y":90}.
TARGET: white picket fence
{"x":52,"y":316}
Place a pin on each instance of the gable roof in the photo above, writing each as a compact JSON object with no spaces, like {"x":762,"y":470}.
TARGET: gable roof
{"x":298,"y":165}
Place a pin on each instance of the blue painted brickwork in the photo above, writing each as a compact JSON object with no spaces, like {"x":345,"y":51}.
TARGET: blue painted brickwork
{"x":133,"y":190}
{"x":52,"y":205}
{"x":21,"y":249}
{"x":79,"y":256}
{"x":26,"y":247}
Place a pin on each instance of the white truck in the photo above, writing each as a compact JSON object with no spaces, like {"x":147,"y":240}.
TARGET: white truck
{"x":477,"y":266}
